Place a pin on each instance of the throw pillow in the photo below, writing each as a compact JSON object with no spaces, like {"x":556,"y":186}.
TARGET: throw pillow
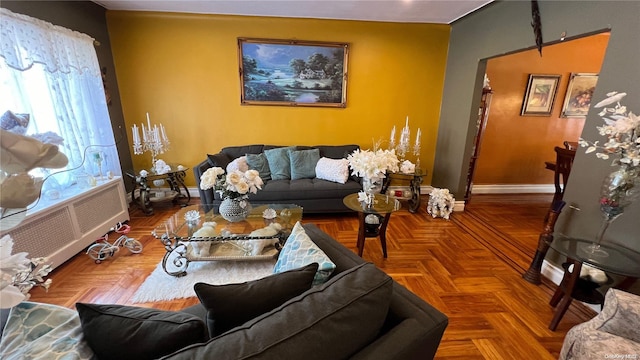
{"x":38,"y":331}
{"x":259,"y":163}
{"x":331,"y":321}
{"x":232,"y":305}
{"x":336,"y":170}
{"x":129,"y":332}
{"x":239,"y":164}
{"x":279,"y":163}
{"x":218,"y":160}
{"x":299,"y":250}
{"x":303,"y":163}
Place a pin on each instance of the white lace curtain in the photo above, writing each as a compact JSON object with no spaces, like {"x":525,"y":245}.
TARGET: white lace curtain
{"x":53,"y":74}
{"x":26,"y":40}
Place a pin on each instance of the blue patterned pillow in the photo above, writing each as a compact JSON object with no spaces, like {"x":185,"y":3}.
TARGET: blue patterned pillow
{"x":43,"y":331}
{"x":299,"y":251}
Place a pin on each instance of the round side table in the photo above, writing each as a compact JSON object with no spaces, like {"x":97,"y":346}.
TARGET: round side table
{"x":381,"y":209}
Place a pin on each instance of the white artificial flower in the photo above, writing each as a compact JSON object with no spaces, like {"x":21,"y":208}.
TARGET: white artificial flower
{"x":236,"y":184}
{"x":18,"y":274}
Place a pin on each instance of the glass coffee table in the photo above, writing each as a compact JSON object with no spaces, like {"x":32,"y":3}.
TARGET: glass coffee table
{"x":230,"y":241}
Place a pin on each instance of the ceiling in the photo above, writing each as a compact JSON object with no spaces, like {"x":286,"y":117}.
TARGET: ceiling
{"x":409,"y":11}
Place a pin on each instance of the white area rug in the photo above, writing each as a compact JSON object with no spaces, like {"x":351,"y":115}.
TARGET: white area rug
{"x":161,"y":286}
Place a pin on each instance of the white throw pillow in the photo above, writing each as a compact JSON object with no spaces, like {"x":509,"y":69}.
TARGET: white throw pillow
{"x":238,"y":164}
{"x":336,"y":170}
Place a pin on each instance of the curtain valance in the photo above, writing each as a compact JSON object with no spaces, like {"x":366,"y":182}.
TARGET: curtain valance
{"x":25,"y":40}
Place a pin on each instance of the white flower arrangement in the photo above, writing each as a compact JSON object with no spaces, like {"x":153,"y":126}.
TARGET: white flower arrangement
{"x":18,"y":274}
{"x":233,"y":185}
{"x":622,"y":128}
{"x":441,"y":203}
{"x":373,"y":164}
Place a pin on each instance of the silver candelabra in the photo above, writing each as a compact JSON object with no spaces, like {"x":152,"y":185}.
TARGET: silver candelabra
{"x":154,"y":140}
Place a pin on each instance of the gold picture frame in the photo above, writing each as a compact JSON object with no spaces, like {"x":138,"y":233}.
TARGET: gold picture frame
{"x":580,"y":90}
{"x":293,"y":72}
{"x":540,"y":95}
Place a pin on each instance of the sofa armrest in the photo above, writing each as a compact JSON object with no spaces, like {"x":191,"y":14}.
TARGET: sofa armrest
{"x":620,"y":315}
{"x":206,"y":196}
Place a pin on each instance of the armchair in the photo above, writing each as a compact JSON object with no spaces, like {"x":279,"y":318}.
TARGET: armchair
{"x":613,"y":331}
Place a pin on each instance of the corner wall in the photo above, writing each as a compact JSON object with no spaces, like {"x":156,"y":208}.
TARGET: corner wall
{"x":503,"y":27}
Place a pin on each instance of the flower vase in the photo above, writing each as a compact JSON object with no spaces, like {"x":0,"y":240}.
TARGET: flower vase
{"x":234,"y":210}
{"x":371,"y":186}
{"x":619,"y":189}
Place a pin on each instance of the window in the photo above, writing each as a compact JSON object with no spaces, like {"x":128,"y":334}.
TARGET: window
{"x":52,"y":75}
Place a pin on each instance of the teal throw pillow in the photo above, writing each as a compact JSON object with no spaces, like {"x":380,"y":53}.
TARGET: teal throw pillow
{"x":279,"y":163}
{"x":303,"y":163}
{"x":300,"y":250}
{"x":259,"y":163}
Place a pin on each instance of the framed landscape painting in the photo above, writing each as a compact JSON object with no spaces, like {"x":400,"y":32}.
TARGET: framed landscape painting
{"x":579,"y":93}
{"x":293,"y":72}
{"x":539,"y":95}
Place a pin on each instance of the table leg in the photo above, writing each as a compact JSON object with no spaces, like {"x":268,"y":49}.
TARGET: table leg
{"x":176,"y":183}
{"x":361,"y":233}
{"x":564,"y":293}
{"x":383,"y":234}
{"x":414,"y":202}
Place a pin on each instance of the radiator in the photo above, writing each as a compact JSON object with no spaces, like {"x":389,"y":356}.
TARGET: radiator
{"x":60,"y":231}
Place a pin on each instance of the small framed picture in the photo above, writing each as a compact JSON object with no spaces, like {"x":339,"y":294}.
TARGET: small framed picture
{"x":540,"y":95}
{"x":579,"y":92}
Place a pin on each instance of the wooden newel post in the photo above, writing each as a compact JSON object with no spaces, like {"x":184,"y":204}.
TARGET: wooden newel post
{"x":532,"y":274}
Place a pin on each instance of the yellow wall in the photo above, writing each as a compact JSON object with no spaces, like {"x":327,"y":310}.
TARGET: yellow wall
{"x":183,"y":70}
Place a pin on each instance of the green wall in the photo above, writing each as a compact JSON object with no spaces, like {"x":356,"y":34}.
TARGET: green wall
{"x":504,"y":27}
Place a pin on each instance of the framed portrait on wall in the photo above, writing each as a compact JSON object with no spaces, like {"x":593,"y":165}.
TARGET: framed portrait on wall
{"x":293,"y":72}
{"x":539,"y":95}
{"x":579,"y":93}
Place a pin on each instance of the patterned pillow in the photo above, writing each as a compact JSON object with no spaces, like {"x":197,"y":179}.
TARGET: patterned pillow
{"x":238,"y":164}
{"x":300,"y":250}
{"x":279,"y":163}
{"x":43,"y":331}
{"x":336,"y":170}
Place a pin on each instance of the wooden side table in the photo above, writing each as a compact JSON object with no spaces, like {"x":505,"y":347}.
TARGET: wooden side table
{"x":414,"y":179}
{"x":175,"y":179}
{"x":621,"y":261}
{"x":381,"y":210}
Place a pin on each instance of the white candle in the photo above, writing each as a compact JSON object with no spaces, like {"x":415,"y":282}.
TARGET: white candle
{"x":418,"y":137}
{"x":144,"y":133}
{"x":148,"y":122}
{"x":393,"y":135}
{"x":407,"y":123}
{"x":136,"y":135}
{"x":164,"y":135}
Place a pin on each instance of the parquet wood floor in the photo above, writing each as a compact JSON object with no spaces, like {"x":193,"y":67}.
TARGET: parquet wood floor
{"x":469,"y":267}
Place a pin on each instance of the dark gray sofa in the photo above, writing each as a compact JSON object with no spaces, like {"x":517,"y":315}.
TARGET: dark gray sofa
{"x":410,"y":327}
{"x":313,"y":195}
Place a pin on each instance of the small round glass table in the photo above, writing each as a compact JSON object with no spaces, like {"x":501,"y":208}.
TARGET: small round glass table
{"x":373,"y":219}
{"x":621,"y":261}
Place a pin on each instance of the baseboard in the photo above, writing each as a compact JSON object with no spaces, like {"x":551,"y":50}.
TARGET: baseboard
{"x":514,"y":189}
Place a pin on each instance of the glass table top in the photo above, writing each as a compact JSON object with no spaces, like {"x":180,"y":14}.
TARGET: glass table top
{"x":382,"y":204}
{"x":189,"y":219}
{"x":620,"y":260}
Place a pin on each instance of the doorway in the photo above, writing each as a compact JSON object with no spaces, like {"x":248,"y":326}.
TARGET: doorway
{"x":514,"y":147}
